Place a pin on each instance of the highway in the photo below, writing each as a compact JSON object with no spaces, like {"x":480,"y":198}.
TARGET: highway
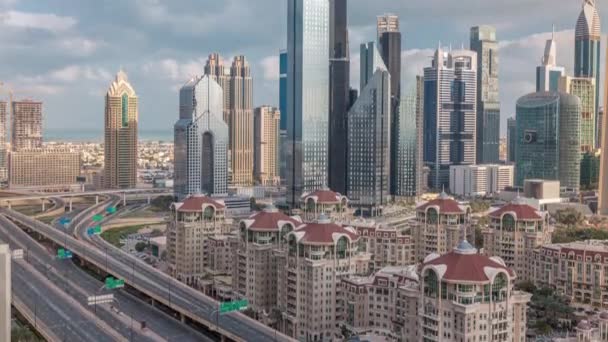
{"x":190,"y":303}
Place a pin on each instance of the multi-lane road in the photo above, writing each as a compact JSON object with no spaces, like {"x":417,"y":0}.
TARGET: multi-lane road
{"x":189,"y":303}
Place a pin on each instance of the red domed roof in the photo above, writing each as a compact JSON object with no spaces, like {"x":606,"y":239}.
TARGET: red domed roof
{"x":269,"y":219}
{"x":323,"y":232}
{"x":196,"y":203}
{"x":325,"y":196}
{"x":464,"y":264}
{"x":521,"y":211}
{"x":446,"y":205}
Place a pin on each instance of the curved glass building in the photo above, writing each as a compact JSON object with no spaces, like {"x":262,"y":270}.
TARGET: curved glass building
{"x":548,"y":138}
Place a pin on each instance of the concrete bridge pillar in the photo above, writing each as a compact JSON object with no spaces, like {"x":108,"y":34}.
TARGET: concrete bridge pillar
{"x":96,"y":199}
{"x":43,"y":204}
{"x":70,"y":204}
{"x":148,"y":199}
{"x":124,"y":199}
{"x":9,"y":204}
{"x":182,"y":318}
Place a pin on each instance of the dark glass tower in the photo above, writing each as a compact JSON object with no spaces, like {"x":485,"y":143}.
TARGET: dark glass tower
{"x":339,"y":97}
{"x":390,"y":49}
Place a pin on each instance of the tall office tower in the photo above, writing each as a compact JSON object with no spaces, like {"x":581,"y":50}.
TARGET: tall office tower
{"x":548,"y":138}
{"x":201,"y":140}
{"x":421,"y":181}
{"x":369,"y":140}
{"x":600,"y":123}
{"x":389,"y":41}
{"x":241,"y":124}
{"x":549,"y":73}
{"x":120,"y":148}
{"x":584,"y":89}
{"x":450,"y":99}
{"x":511,"y":139}
{"x":308,"y":97}
{"x":483,"y":41}
{"x":220,"y":74}
{"x":3,"y":142}
{"x":371,"y":60}
{"x":587,"y":37}
{"x":408,"y":169}
{"x":266,"y":145}
{"x":387,"y":23}
{"x":26,"y":124}
{"x":339,"y":98}
{"x":603,"y":188}
{"x":5,"y":290}
{"x":283,"y":109}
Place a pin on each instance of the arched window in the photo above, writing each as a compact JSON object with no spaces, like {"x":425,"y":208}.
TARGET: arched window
{"x":341,"y":248}
{"x":310,"y":204}
{"x":508,"y":223}
{"x":208,"y":212}
{"x":430,"y":284}
{"x":286,"y":229}
{"x":431,"y":216}
{"x":293,"y":245}
{"x":499,"y":287}
{"x":243,"y":229}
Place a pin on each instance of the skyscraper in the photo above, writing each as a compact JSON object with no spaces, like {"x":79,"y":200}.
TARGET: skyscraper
{"x":511,"y":139}
{"x":283,"y":109}
{"x":409,"y":168}
{"x":389,"y":40}
{"x":584,"y":89}
{"x":603,"y":187}
{"x":266,"y":145}
{"x":26,"y":123}
{"x":220,"y":74}
{"x":201,"y":140}
{"x":241,"y":122}
{"x":308,"y":96}
{"x":450,"y":99}
{"x":548,"y":138}
{"x":369,"y":142}
{"x":3,"y":142}
{"x":587,"y":37}
{"x":339,"y":81}
{"x":371,"y":60}
{"x":120,"y":148}
{"x":483,"y":41}
{"x":548,"y":73}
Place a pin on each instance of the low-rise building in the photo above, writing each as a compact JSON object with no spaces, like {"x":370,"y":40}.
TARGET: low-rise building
{"x":480,"y":180}
{"x":44,"y":168}
{"x":193,"y":221}
{"x":440,"y":224}
{"x":514,"y":231}
{"x":576,"y":270}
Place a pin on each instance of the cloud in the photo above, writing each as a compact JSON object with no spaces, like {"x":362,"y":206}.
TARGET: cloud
{"x":270,"y":67}
{"x":174,"y":70}
{"x":47,"y":22}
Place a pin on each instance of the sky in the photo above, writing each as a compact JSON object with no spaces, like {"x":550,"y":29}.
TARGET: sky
{"x":66,"y":52}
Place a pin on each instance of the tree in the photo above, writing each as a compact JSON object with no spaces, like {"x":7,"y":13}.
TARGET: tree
{"x":479,"y":206}
{"x":569,"y":217}
{"x":162,"y":203}
{"x":140,"y":246}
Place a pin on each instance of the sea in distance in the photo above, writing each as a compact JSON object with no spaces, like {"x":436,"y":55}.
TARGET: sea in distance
{"x":96,"y":136}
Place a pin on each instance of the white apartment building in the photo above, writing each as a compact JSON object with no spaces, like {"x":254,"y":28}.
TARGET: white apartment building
{"x":192,"y":223}
{"x":515,"y":230}
{"x":440,"y":224}
{"x":480,"y":180}
{"x":316,"y":257}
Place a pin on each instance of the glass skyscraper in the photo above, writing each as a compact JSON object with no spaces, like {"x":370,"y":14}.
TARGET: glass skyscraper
{"x":549,"y":73}
{"x":307,"y":96}
{"x":548,"y":138}
{"x":511,"y":139}
{"x":483,"y":41}
{"x":369,"y":141}
{"x":450,"y":99}
{"x":201,"y":140}
{"x":283,"y":88}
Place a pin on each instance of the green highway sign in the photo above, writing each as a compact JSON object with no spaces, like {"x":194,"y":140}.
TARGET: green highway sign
{"x":97,"y":218}
{"x":237,"y":305}
{"x":111,"y":210}
{"x":63,"y":254}
{"x":113,"y":283}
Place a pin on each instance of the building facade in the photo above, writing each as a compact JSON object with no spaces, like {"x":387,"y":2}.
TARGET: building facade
{"x":515,"y":230}
{"x":584,"y":89}
{"x":316,"y":256}
{"x":193,"y":221}
{"x":387,"y":22}
{"x":483,"y":41}
{"x":590,"y":170}
{"x":5,"y":289}
{"x":241,"y":122}
{"x":439,"y":225}
{"x":218,"y":72}
{"x":26,"y":123}
{"x":450,"y":101}
{"x":387,"y":245}
{"x":549,"y":73}
{"x":369,"y":141}
{"x":307,"y":97}
{"x":120,"y":146}
{"x":201,"y":140}
{"x":283,"y":109}
{"x":480,"y":180}
{"x":548,"y":138}
{"x":324,"y":202}
{"x":266,"y":145}
{"x":3,"y":141}
{"x":603,"y":186}
{"x":55,"y":168}
{"x":339,"y":99}
{"x":511,"y":140}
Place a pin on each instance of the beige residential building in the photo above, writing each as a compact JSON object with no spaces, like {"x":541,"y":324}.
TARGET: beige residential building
{"x":120,"y":147}
{"x":266,"y":145}
{"x":193,"y":222}
{"x":388,"y":245}
{"x":43,"y":167}
{"x":220,"y":254}
{"x":255,"y":267}
{"x":5,"y":291}
{"x":440,"y":224}
{"x":309,"y":269}
{"x":241,"y":124}
{"x":459,"y":296}
{"x":26,"y":122}
{"x":515,"y":230}
{"x":324,"y":201}
{"x":577,"y":270}
{"x":584,"y":88}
